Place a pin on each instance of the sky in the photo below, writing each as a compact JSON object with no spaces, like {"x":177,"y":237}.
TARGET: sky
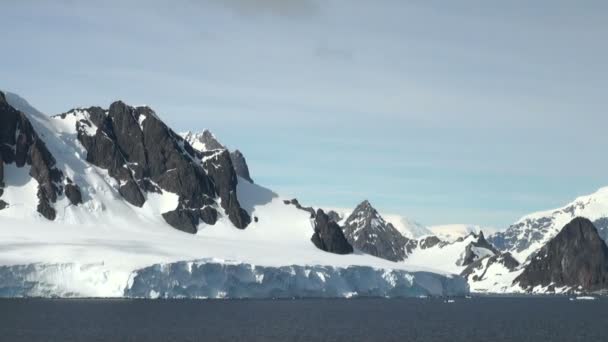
{"x":446,"y":112}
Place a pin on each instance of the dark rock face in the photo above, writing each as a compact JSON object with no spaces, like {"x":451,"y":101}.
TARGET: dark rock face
{"x":328,"y":235}
{"x":1,"y":172}
{"x":297,"y":204}
{"x":132,"y":193}
{"x":185,"y":220}
{"x":240,"y":165}
{"x":505,"y":259}
{"x":220,"y":169}
{"x":145,"y":155}
{"x":206,"y":141}
{"x":576,"y":257}
{"x":72,"y":192}
{"x":477,"y":250}
{"x":20,"y":144}
{"x":3,"y":205}
{"x":208,"y":215}
{"x":429,"y":242}
{"x":334,"y":216}
{"x":367,"y":231}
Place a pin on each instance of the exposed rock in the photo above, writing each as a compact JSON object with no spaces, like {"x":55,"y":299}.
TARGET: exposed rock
{"x":145,"y":155}
{"x":208,"y":215}
{"x":505,"y":259}
{"x":185,"y":220}
{"x":240,"y":165}
{"x":429,"y":242}
{"x":72,"y":192}
{"x":334,"y":216}
{"x":3,"y":205}
{"x":576,"y":257}
{"x":367,"y":231}
{"x":1,"y":172}
{"x":206,"y":141}
{"x":44,"y":206}
{"x":477,"y":250}
{"x":220,"y":169}
{"x":131,"y":192}
{"x":297,"y":204}
{"x":20,"y":144}
{"x":328,"y":235}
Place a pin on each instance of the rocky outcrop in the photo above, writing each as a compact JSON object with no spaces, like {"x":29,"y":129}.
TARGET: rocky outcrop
{"x":72,"y":192}
{"x":430,"y":242}
{"x":206,"y":141}
{"x":144,"y":155}
{"x":20,"y":144}
{"x":328,"y":235}
{"x":367,"y":231}
{"x":297,"y":204}
{"x":219,"y":167}
{"x":240,"y":165}
{"x":576,"y":258}
{"x":476,"y":250}
{"x":476,"y":271}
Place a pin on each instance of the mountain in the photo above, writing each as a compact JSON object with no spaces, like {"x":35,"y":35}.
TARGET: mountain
{"x":452,"y":232}
{"x":576,"y":258}
{"x":476,"y":250}
{"x":368,"y":232}
{"x":408,"y":227}
{"x":111,"y":202}
{"x":533,"y":231}
{"x":206,"y":141}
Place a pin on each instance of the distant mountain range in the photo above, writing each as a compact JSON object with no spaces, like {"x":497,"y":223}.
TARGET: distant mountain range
{"x":112,"y":202}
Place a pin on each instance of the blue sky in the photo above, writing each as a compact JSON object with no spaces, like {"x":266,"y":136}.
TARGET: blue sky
{"x":447,"y":112}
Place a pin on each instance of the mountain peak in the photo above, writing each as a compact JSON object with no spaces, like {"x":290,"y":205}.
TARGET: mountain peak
{"x":367,"y":231}
{"x":576,"y":257}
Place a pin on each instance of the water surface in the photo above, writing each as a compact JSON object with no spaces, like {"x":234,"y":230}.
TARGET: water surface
{"x":476,"y":319}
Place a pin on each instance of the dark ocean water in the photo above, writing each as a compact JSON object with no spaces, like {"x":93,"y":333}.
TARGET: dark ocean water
{"x":477,"y":319}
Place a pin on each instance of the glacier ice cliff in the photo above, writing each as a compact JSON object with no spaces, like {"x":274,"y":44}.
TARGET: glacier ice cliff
{"x":209,"y":279}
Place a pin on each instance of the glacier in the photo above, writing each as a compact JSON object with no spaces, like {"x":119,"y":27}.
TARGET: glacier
{"x":209,"y":279}
{"x":219,"y":279}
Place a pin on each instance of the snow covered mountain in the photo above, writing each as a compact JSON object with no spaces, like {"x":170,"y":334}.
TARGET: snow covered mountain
{"x":112,"y":202}
{"x":452,"y":232}
{"x":408,"y":227}
{"x":367,"y":231}
{"x":531,"y":232}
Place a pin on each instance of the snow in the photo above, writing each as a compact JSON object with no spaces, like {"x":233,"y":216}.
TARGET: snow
{"x":407,"y":227}
{"x":451,"y":232}
{"x":20,"y":192}
{"x":440,"y":257}
{"x":95,"y":249}
{"x":592,"y":207}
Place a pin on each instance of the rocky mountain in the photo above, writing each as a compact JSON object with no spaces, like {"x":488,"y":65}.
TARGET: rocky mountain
{"x":328,"y":235}
{"x":95,"y":191}
{"x":368,"y":232}
{"x":21,"y":145}
{"x":533,"y":231}
{"x":576,"y":258}
{"x":476,"y":250}
{"x":143,"y":155}
{"x":206,"y":141}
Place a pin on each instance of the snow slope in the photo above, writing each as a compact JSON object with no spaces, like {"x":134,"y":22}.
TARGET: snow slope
{"x":451,"y":232}
{"x":408,"y":227}
{"x":531,"y":232}
{"x":96,"y":249}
